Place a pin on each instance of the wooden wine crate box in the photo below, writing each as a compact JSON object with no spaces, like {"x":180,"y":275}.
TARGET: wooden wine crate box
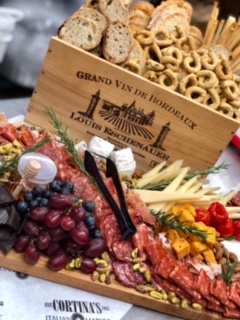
{"x":93,"y":97}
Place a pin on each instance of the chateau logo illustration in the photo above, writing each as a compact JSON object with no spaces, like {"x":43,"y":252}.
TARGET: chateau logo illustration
{"x":127,"y":118}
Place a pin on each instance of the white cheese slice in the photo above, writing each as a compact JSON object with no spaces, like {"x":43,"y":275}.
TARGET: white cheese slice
{"x":124,"y":161}
{"x":100,"y":147}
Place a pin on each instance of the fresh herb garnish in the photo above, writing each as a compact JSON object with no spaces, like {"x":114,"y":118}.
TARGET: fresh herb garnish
{"x":173,"y":222}
{"x":228,"y":271}
{"x":64,"y":137}
{"x":163,"y":184}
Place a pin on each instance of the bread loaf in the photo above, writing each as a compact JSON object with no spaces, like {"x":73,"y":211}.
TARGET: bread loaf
{"x":114,"y":10}
{"x":81,"y":32}
{"x":118,"y":42}
{"x":94,"y":15}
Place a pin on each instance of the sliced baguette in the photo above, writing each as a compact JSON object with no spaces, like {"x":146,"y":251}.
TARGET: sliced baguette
{"x":94,"y":15}
{"x":118,"y":42}
{"x":81,"y":32}
{"x":114,"y":10}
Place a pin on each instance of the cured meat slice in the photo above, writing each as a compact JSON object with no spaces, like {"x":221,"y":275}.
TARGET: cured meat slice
{"x":138,"y":210}
{"x":119,"y":269}
{"x":144,"y":235}
{"x":26,"y":138}
{"x":234,"y":293}
{"x":9,"y":132}
{"x":155,"y":251}
{"x":232,"y":313}
{"x":218,"y":289}
{"x":171,"y":287}
{"x":165,"y":267}
{"x":134,"y":276}
{"x":215,"y":307}
{"x":181,"y":276}
{"x":122,"y":249}
{"x":202,"y":285}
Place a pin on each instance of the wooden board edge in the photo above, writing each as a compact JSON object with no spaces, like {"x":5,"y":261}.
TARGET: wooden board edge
{"x":78,"y":280}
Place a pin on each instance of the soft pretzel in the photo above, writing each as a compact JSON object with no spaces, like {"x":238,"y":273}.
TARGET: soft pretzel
{"x":151,"y":75}
{"x":173,"y":52}
{"x":223,"y":70}
{"x":196,"y":93}
{"x":209,"y":61}
{"x":226,"y":108}
{"x":133,"y":66}
{"x":212,"y":99}
{"x":168,"y":79}
{"x":161,"y":37}
{"x":153,"y":52}
{"x":178,"y":33}
{"x":207,"y":79}
{"x":144,"y":37}
{"x":230,"y":89}
{"x":186,"y":44}
{"x":192,"y":63}
{"x":188,"y":81}
{"x":170,"y":63}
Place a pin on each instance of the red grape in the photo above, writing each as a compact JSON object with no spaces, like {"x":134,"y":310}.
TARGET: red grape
{"x":88,"y":265}
{"x":43,"y":240}
{"x":67,"y":223}
{"x":95,"y":248}
{"x":31,"y":228}
{"x":21,"y":243}
{"x":52,"y":248}
{"x":38,"y":214}
{"x":58,"y":261}
{"x":80,"y":234}
{"x":53,"y":218}
{"x":62,"y":201}
{"x":71,"y":247}
{"x":57,"y":234}
{"x":78,"y":213}
{"x":31,"y":254}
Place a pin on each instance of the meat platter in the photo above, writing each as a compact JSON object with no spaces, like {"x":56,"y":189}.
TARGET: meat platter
{"x":74,"y":278}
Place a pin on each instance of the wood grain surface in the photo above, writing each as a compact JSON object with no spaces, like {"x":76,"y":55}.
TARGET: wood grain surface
{"x":76,"y":279}
{"x":129,"y":111}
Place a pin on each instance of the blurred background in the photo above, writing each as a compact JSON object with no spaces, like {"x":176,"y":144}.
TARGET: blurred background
{"x":25,"y":54}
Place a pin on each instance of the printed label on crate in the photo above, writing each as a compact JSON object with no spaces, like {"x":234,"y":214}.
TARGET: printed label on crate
{"x":26,"y":297}
{"x":95,"y":98}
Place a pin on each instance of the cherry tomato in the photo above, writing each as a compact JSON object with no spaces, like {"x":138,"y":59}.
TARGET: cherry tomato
{"x":226,"y":229}
{"x":236,"y":226}
{"x":218,"y":213}
{"x":203,"y":215}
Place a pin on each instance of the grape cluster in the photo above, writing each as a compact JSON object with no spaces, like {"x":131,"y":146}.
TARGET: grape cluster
{"x":39,"y":197}
{"x":62,"y":230}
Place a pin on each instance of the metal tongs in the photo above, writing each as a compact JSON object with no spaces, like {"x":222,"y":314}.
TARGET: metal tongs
{"x":125,"y":223}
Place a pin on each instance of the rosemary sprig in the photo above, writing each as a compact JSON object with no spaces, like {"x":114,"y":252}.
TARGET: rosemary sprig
{"x":173,"y":222}
{"x":228,"y":271}
{"x":12,"y":164}
{"x":163,"y":184}
{"x":64,"y":137}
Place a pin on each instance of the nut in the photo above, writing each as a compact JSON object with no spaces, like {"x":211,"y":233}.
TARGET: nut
{"x":155,"y":294}
{"x":219,"y":253}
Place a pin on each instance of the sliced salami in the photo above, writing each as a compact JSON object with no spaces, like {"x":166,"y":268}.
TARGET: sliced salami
{"x":122,"y":249}
{"x":218,"y":289}
{"x":234,"y":293}
{"x":232,"y":313}
{"x":202,"y":285}
{"x":165,"y":267}
{"x":134,"y":276}
{"x":119,"y":269}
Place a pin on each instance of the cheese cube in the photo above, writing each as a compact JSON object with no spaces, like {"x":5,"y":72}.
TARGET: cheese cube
{"x":200,"y":226}
{"x":197,"y":247}
{"x":190,"y":208}
{"x":181,"y":248}
{"x":172,"y":235}
{"x":209,"y":256}
{"x":211,"y":236}
{"x":186,"y":215}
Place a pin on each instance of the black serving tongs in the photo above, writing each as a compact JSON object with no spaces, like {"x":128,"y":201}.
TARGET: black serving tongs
{"x":125,"y":223}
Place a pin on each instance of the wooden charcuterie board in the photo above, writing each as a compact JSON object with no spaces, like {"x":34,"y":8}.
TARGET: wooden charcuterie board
{"x":79,"y":280}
